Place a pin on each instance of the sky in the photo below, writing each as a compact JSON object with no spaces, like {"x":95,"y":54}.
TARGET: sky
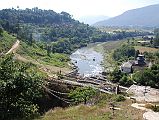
{"x":80,"y":8}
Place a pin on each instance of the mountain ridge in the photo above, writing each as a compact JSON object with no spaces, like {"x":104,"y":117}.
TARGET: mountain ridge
{"x":144,"y":16}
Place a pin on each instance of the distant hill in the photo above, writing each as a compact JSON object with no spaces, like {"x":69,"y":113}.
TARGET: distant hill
{"x":145,"y":16}
{"x":58,"y":32}
{"x":92,"y":19}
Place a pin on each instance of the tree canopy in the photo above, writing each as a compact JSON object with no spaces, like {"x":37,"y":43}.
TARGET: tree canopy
{"x":20,"y":87}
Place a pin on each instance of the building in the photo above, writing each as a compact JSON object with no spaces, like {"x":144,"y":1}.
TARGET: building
{"x":133,"y":65}
{"x":140,"y":60}
{"x":126,"y":67}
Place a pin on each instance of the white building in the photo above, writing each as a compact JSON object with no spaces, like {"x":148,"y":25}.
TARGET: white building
{"x":126,"y":67}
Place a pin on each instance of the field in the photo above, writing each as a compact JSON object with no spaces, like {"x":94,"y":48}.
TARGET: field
{"x":100,"y":111}
{"x":146,"y":49}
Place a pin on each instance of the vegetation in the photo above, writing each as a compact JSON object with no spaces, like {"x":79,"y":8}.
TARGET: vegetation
{"x":99,"y":111}
{"x":37,"y":53}
{"x":82,"y":94}
{"x":6,"y":42}
{"x":124,"y":52}
{"x":59,"y":31}
{"x":21,"y":85}
{"x":156,"y":40}
{"x":148,"y":77}
{"x":155,"y":107}
{"x":117,"y":76}
{"x":48,"y":37}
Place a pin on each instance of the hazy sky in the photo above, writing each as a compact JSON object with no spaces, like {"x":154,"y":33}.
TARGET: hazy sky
{"x":79,"y":8}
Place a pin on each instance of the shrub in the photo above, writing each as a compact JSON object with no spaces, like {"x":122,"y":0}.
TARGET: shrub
{"x":120,"y":98}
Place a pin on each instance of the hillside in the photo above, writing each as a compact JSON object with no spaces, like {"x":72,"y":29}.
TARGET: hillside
{"x":6,"y":42}
{"x":47,"y":38}
{"x":145,"y":16}
{"x":49,"y":27}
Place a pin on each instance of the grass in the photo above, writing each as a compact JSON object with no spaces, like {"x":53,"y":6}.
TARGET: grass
{"x":99,"y":111}
{"x":146,"y":49}
{"x":6,"y":42}
{"x":40,"y":55}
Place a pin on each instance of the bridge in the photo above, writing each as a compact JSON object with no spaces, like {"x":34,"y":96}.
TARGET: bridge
{"x":98,"y":83}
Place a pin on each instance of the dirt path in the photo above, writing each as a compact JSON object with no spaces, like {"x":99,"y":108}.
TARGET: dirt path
{"x":14,"y":47}
{"x":149,"y":114}
{"x":49,"y":69}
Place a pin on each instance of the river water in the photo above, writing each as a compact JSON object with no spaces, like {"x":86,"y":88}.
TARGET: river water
{"x":88,"y":61}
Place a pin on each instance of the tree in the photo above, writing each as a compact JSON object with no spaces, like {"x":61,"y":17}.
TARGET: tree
{"x":116,"y":75}
{"x":20,"y":87}
{"x":82,"y":94}
{"x":137,"y":52}
{"x":1,"y":31}
{"x":31,"y":39}
{"x":145,"y":77}
{"x":156,"y":40}
{"x":125,"y":81}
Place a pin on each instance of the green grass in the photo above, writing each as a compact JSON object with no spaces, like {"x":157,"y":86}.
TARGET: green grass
{"x":6,"y":42}
{"x":40,"y":55}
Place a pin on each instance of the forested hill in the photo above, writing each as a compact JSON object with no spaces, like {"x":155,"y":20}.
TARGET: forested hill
{"x":36,"y":16}
{"x":57,"y":32}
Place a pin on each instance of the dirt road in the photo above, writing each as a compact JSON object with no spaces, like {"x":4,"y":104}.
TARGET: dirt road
{"x":14,"y":47}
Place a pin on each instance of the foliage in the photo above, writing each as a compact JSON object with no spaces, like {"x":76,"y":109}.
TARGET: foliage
{"x":20,"y":88}
{"x":6,"y":42}
{"x":116,"y":75}
{"x":125,"y":81}
{"x":59,"y":31}
{"x":1,"y":31}
{"x":82,"y":94}
{"x":155,"y":108}
{"x":120,"y":98}
{"x":148,"y":77}
{"x":156,"y":40}
{"x":36,"y":52}
{"x":124,"y":52}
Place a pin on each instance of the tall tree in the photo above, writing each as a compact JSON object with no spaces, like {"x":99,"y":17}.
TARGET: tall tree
{"x":20,"y":87}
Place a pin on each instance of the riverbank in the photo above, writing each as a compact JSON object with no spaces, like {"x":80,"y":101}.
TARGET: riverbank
{"x":106,"y":49}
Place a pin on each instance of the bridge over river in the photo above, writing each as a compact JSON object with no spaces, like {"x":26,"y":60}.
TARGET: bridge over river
{"x":99,"y":83}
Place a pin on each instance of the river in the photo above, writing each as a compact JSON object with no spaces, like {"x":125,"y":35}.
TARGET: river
{"x":88,"y":61}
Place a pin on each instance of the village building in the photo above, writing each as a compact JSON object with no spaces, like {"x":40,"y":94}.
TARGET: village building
{"x":144,"y":42}
{"x":126,"y":67}
{"x":133,"y":65}
{"x":140,"y":60}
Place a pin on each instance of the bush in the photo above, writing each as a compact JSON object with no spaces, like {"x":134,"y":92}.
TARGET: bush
{"x":155,"y":108}
{"x":120,"y":98}
{"x":20,"y":86}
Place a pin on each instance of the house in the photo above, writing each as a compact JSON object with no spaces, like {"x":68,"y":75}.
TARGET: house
{"x":133,"y":65}
{"x":126,"y":67}
{"x":144,"y":42}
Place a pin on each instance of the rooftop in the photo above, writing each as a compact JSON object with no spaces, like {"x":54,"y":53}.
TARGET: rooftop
{"x":127,"y":64}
